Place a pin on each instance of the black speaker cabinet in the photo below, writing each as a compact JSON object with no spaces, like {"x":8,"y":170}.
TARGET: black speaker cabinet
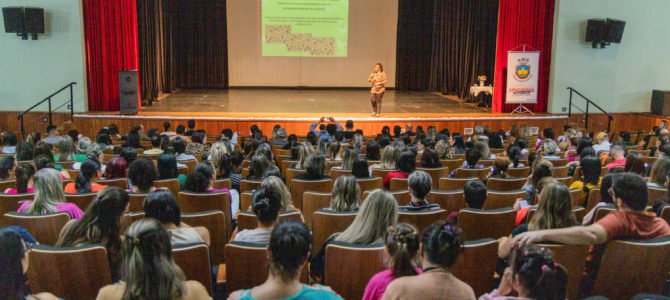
{"x":13,"y":18}
{"x":614,"y":30}
{"x":595,"y":28}
{"x":660,"y":103}
{"x":128,"y":92}
{"x":34,"y":20}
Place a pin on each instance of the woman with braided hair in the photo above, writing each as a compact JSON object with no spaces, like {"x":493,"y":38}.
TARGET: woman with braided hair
{"x":402,"y":243}
{"x":532,"y":274}
{"x":441,"y":244}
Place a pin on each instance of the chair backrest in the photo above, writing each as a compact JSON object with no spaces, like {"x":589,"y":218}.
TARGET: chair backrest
{"x":349,"y":267}
{"x":135,"y":202}
{"x":193,"y":259}
{"x":222,"y":184}
{"x":215,"y":222}
{"x":290,"y":173}
{"x":656,"y":194}
{"x":149,"y":156}
{"x":202,"y":202}
{"x":398,"y":184}
{"x":298,"y":187}
{"x":332,"y":163}
{"x":450,"y":201}
{"x":245,"y":172}
{"x":171,"y":184}
{"x":191,"y":163}
{"x":121,"y":183}
{"x":44,"y":228}
{"x":81,"y":200}
{"x":567,"y":180}
{"x":7,"y":184}
{"x":402,"y":197}
{"x":107,"y":157}
{"x":247,"y":264}
{"x":561,"y":171}
{"x":594,"y":199}
{"x":436,"y":174}
{"x":447,"y":184}
{"x":183,"y":170}
{"x":381,"y":172}
{"x":505,"y":184}
{"x":70,"y":273}
{"x":601,"y":212}
{"x":452,"y":164}
{"x":500,"y":199}
{"x":245,"y":200}
{"x":646,"y":264}
{"x":519,"y":172}
{"x":478,"y":224}
{"x":573,"y":258}
{"x":479,"y":173}
{"x":285,"y":164}
{"x":335,"y":173}
{"x":559,"y":162}
{"x":665,"y":214}
{"x":370,"y":184}
{"x":248,"y":220}
{"x":312,"y":201}
{"x":130,"y":218}
{"x":422,"y":219}
{"x":249,"y":185}
{"x":476,"y":264}
{"x":12,"y":202}
{"x":325,"y":222}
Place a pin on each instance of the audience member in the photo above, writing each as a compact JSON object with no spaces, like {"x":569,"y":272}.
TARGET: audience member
{"x":304,"y":151}
{"x":346,"y":194}
{"x":541,"y":168}
{"x":360,"y":168}
{"x":156,"y":141}
{"x":378,"y":212}
{"x":24,"y":180}
{"x":635,"y":164}
{"x":372,"y":151}
{"x":197,"y":145}
{"x":142,"y":173}
{"x":180,"y":149}
{"x":201,"y":180}
{"x":606,"y":200}
{"x":7,"y":167}
{"x":266,"y":205}
{"x":100,"y":224}
{"x":9,"y":142}
{"x":162,"y":206}
{"x":275,"y":184}
{"x":430,"y":159}
{"x":618,"y":154}
{"x":288,"y":253}
{"x":315,"y":165}
{"x":603,"y":143}
{"x":389,"y":158}
{"x":259,"y":164}
{"x":116,"y":168}
{"x":24,"y":151}
{"x":149,"y":272}
{"x":167,"y":168}
{"x":348,"y":156}
{"x":419,"y":185}
{"x":87,"y":180}
{"x":129,"y":154}
{"x":441,"y":244}
{"x":658,"y":173}
{"x":405,"y":165}
{"x":14,"y":260}
{"x":54,"y":136}
{"x":67,"y":150}
{"x":402,"y":244}
{"x":500,"y":167}
{"x":589,"y":177}
{"x":49,"y":197}
{"x":443,"y":149}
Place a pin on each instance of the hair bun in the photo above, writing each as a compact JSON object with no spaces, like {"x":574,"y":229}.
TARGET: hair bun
{"x":261,"y":204}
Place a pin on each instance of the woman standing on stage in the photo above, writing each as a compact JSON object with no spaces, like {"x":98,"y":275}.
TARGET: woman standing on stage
{"x":378,"y":80}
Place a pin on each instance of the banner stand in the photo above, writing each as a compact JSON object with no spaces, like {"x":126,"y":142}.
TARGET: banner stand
{"x":522,"y":78}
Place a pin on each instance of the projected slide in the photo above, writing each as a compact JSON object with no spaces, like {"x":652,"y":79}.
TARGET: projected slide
{"x":305,"y":27}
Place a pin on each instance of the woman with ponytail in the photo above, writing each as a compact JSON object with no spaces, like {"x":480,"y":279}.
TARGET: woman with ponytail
{"x":402,"y":244}
{"x":24,"y":179}
{"x":87,"y":180}
{"x":149,"y":272}
{"x":288,"y":252}
{"x":441,"y":244}
{"x":532,"y":274}
{"x":101,"y":224}
{"x":266,"y":205}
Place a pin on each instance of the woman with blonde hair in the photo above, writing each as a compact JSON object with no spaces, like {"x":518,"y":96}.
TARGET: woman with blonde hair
{"x":149,"y":272}
{"x":49,"y":196}
{"x":275,"y":184}
{"x":333,"y":151}
{"x":657,"y":175}
{"x":348,"y":156}
{"x":443,"y":149}
{"x":67,"y":151}
{"x":346,"y":194}
{"x":378,"y":212}
{"x":304,"y":151}
{"x":389,"y":158}
{"x":484,"y":149}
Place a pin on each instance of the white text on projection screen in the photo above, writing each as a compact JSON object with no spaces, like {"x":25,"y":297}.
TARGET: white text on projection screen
{"x":306,"y":28}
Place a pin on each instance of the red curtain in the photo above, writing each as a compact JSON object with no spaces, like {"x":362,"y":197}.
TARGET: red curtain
{"x":520,"y":22}
{"x":110,"y":32}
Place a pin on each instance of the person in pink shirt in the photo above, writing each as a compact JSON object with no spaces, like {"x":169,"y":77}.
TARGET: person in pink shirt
{"x":24,"y":179}
{"x":49,"y":196}
{"x":402,"y":243}
{"x":532,"y":274}
{"x":617,"y":152}
{"x":378,"y":79}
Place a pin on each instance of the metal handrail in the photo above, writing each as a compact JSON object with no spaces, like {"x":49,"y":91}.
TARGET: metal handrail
{"x":48,"y":98}
{"x":588,"y":102}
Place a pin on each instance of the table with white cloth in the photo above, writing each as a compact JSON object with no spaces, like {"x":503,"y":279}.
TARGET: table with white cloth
{"x":475,"y":90}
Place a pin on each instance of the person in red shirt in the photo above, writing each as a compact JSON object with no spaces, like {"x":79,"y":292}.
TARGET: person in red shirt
{"x":630,"y":221}
{"x":406,"y":164}
{"x":617,"y":152}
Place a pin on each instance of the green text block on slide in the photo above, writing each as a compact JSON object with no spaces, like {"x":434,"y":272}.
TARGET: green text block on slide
{"x":305,"y":27}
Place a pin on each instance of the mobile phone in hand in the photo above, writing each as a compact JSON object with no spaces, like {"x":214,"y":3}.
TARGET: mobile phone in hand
{"x":523,"y":203}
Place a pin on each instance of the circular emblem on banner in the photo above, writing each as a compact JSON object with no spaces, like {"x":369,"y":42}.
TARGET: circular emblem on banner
{"x":522,"y":71}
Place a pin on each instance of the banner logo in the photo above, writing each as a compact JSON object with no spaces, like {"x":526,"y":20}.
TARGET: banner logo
{"x":523,"y":69}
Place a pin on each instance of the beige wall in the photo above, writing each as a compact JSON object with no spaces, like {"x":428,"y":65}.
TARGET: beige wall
{"x":372,"y":39}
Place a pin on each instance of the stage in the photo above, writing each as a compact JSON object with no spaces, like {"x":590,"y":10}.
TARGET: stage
{"x":296,"y":109}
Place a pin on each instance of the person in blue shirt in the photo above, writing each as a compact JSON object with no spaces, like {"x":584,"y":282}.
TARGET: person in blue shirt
{"x":289,"y":247}
{"x":328,"y":132}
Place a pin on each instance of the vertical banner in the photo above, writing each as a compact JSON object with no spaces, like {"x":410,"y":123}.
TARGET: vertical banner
{"x":523,"y":70}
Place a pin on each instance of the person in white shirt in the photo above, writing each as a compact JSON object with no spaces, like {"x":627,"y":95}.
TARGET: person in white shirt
{"x":603,"y":143}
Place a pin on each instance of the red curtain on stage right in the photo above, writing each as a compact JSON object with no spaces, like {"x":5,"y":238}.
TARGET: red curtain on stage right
{"x":110,"y":32}
{"x":527,"y":22}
